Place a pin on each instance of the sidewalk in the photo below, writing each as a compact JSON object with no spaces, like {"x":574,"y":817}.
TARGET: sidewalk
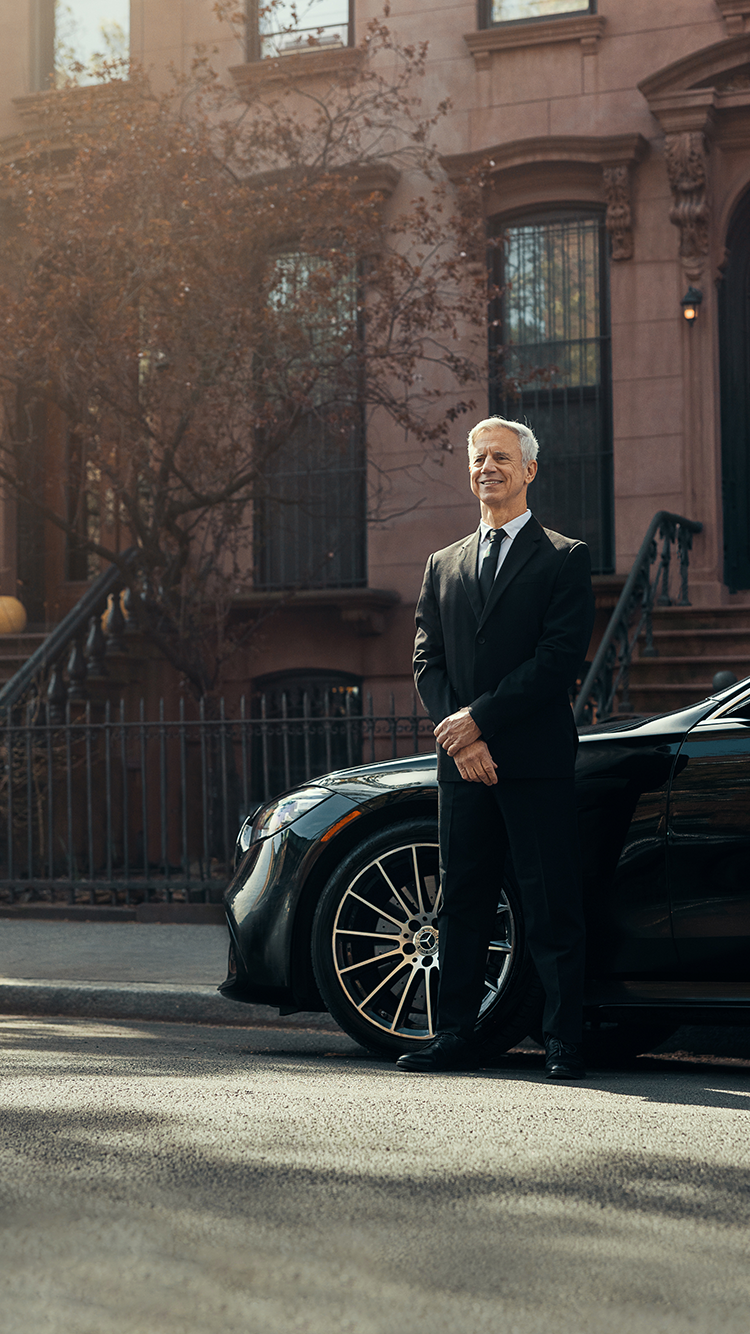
{"x":125,"y":970}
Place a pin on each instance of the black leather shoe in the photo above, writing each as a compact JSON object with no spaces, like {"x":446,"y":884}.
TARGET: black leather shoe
{"x":563,"y":1059}
{"x":447,"y":1051}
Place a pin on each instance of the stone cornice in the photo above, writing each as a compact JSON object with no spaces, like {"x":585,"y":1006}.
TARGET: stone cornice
{"x":694,"y":109}
{"x":583,"y":28}
{"x":37,"y":107}
{"x":364,"y":177}
{"x":684,"y":100}
{"x":590,"y":150}
{"x":40,"y":113}
{"x":683,"y":75}
{"x":736,"y":15}
{"x":295,"y":68}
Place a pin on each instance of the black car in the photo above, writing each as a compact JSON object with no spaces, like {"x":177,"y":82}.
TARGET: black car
{"x":335,"y":898}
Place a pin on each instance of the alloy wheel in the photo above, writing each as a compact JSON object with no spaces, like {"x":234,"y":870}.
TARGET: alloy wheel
{"x":385,"y":942}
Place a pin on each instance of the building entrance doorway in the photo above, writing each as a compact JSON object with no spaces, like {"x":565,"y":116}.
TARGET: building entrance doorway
{"x":734,"y":352}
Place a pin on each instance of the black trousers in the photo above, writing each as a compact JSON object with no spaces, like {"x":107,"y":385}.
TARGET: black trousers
{"x":533,"y":821}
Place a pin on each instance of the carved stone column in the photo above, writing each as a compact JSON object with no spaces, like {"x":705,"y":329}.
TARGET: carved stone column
{"x":619,"y":221}
{"x":687,"y":167}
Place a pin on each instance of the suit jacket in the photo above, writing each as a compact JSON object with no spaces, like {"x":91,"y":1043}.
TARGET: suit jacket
{"x":512,"y":662}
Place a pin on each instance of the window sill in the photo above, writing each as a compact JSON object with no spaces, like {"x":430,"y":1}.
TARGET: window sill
{"x":363,"y":608}
{"x":42,"y":123}
{"x":292,"y":68}
{"x":40,"y":106}
{"x":583,"y":28}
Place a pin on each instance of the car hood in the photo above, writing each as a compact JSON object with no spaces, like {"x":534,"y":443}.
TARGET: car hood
{"x":420,"y":770}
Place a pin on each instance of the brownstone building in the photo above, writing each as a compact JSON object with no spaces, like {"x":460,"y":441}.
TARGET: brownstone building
{"x":616,"y":136}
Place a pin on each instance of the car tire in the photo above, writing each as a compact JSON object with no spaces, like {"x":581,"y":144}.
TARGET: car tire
{"x":374,"y":948}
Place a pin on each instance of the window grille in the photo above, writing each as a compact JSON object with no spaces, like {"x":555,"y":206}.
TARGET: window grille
{"x":31,"y":554}
{"x":310,"y":514}
{"x":287,"y":27}
{"x":550,"y":366}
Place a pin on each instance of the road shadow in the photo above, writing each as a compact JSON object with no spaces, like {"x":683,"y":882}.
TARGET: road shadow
{"x":159,"y":1051}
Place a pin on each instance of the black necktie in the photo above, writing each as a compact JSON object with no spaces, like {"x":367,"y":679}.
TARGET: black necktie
{"x":489,"y":564}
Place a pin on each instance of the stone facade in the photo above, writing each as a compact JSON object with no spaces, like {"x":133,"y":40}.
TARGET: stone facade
{"x":639,"y":110}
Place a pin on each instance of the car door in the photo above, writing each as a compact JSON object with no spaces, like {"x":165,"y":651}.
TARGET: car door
{"x":708,"y":846}
{"x":622,"y":790}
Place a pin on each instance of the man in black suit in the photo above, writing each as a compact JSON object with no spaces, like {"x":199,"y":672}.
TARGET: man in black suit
{"x":503,"y":625}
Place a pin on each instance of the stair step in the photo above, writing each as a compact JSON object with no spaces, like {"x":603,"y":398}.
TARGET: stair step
{"x":697,"y":689}
{"x":700,"y":643}
{"x":701,"y":618}
{"x":668,"y":660}
{"x":704,"y":633}
{"x":646,"y":699}
{"x":674,"y":670}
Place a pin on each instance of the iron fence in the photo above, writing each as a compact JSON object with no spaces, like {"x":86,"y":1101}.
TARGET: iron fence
{"x":103,"y":808}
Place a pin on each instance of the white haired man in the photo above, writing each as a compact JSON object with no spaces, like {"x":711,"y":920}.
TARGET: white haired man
{"x":503,"y":625}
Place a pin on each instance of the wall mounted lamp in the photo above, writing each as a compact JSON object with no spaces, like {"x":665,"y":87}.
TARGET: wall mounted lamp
{"x":690,"y":303}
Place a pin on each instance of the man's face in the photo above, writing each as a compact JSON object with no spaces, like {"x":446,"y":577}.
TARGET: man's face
{"x":498,"y":476}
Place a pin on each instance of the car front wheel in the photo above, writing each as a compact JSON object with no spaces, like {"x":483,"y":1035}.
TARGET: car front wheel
{"x":375,"y":948}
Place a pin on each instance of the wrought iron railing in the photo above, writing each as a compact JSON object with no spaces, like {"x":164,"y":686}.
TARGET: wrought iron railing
{"x":105,"y":808}
{"x":608,"y":678}
{"x":78,"y":644}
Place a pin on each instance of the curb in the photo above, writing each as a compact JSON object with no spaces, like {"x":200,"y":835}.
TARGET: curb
{"x":153,"y":1001}
{"x":176,"y":914}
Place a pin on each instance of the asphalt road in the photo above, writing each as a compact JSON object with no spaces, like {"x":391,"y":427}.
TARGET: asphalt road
{"x":176,"y":1178}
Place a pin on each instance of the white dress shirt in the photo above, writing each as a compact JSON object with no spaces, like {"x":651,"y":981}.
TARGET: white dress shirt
{"x":512,"y":529}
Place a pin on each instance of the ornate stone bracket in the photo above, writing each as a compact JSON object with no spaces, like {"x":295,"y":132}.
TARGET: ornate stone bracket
{"x":736,"y":15}
{"x":687,"y":162}
{"x":619,"y":219}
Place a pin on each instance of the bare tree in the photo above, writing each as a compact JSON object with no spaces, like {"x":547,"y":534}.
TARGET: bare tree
{"x":200,"y":290}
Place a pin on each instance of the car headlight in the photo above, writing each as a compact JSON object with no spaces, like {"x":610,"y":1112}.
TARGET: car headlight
{"x":278,"y":814}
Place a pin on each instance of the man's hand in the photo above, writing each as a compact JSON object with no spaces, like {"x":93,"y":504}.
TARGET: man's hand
{"x":476,"y":765}
{"x":456,"y":731}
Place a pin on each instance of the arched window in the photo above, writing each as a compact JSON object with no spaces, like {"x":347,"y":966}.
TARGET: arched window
{"x":550,"y":365}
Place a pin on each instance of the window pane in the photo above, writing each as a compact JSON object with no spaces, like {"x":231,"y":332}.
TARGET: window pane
{"x":552,"y":304}
{"x":506,"y":11}
{"x":88,"y":32}
{"x":551,"y":368}
{"x":293,"y":25}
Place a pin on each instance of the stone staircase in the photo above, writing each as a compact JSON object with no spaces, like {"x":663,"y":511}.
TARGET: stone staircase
{"x":694,"y":643}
